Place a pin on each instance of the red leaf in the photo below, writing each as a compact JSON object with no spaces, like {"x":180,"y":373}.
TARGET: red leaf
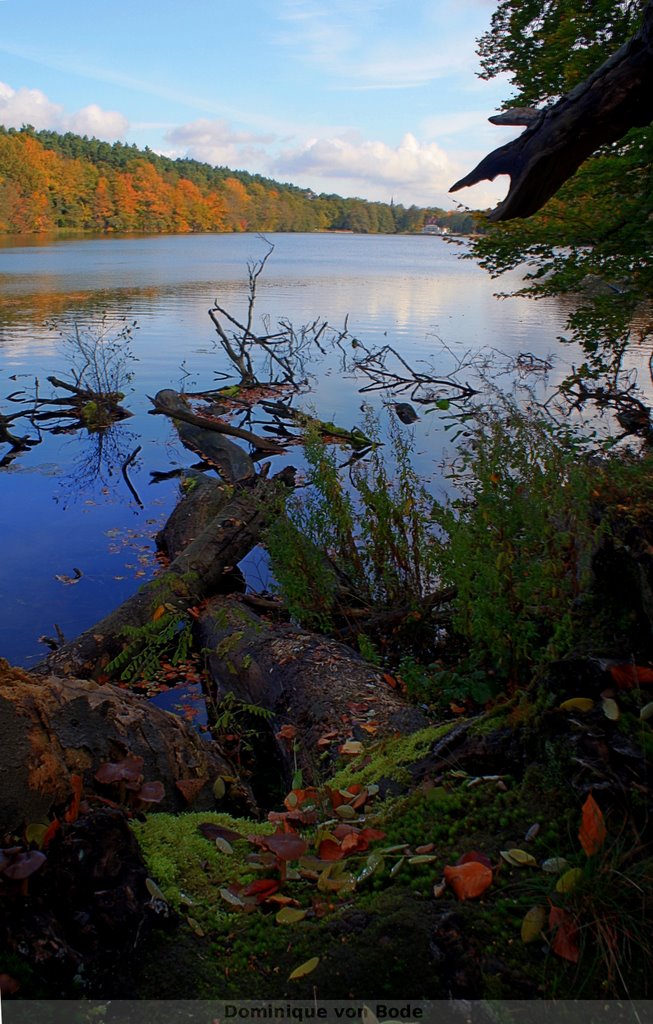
{"x":285,"y":845}
{"x":213,"y":832}
{"x":372,"y":834}
{"x":468,"y":880}
{"x":262,"y":888}
{"x":8,"y":985}
{"x":626,"y":676}
{"x":592,"y":832}
{"x":72,"y":814}
{"x":50,"y":833}
{"x":330,"y":850}
{"x":564,"y":940}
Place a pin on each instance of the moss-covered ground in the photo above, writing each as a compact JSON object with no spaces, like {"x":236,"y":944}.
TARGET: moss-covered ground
{"x":399,"y":932}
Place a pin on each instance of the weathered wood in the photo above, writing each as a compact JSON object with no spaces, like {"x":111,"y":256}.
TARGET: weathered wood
{"x":53,"y":728}
{"x":618,"y":96}
{"x":315,"y":684}
{"x":170,"y":403}
{"x":195,"y":573}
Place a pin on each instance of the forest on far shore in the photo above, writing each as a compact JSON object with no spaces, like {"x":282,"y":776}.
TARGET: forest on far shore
{"x":52,"y":182}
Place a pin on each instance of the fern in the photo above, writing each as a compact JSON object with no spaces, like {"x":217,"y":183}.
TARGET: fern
{"x":169,"y":636}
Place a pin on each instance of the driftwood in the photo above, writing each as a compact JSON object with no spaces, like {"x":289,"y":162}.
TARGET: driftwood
{"x":194,"y":574}
{"x":170,"y":403}
{"x":319,"y":687}
{"x":55,"y":728}
{"x":618,"y":96}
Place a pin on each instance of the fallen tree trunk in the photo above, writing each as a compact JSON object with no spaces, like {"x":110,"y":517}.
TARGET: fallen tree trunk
{"x":320,"y":688}
{"x":194,"y":574}
{"x":55,"y":728}
{"x":170,"y":403}
{"x":600,"y":110}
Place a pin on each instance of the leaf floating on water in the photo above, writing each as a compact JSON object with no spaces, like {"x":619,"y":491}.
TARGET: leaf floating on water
{"x":468,"y":881}
{"x":518,"y":858}
{"x":592,"y":832}
{"x":304,"y":969}
{"x":577,"y":704}
{"x":533,"y":924}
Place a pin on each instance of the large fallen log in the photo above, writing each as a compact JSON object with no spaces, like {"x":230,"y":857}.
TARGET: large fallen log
{"x":55,"y":728}
{"x":172,"y":404}
{"x":318,"y":687}
{"x":194,"y":574}
{"x":618,"y":96}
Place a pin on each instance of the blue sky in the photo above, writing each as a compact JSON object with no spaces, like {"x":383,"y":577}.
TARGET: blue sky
{"x":375,"y":98}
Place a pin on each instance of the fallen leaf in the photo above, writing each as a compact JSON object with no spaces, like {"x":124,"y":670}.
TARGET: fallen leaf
{"x":518,"y":858}
{"x":592,"y":832}
{"x":611,"y":709}
{"x":626,"y":676}
{"x":646,"y":712}
{"x":570,"y":879}
{"x":212,"y":832}
{"x":290,"y":915}
{"x":475,"y":856}
{"x":76,"y":784}
{"x":285,"y":845}
{"x":158,"y":613}
{"x":564,"y":940}
{"x":305,"y":968}
{"x":352,"y":747}
{"x":223,"y":846}
{"x":577,"y":704}
{"x":261,"y":888}
{"x":554,"y":865}
{"x":533,"y":924}
{"x":468,"y":881}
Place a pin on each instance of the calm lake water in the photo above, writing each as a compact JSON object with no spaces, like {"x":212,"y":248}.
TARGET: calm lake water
{"x":64,"y":504}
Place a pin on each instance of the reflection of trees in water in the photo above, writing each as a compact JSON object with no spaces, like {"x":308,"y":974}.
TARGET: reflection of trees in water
{"x":102,"y":463}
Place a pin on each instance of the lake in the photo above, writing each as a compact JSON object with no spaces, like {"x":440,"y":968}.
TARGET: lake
{"x":65,"y":506}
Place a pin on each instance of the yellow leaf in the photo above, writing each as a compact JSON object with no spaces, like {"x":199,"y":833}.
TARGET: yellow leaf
{"x":289,"y":915}
{"x":533,"y":924}
{"x":304,"y":968}
{"x":518,"y":858}
{"x":577,"y":704}
{"x":569,"y":880}
{"x":352,"y":747}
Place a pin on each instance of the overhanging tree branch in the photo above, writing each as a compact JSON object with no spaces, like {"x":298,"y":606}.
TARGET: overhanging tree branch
{"x":618,"y":96}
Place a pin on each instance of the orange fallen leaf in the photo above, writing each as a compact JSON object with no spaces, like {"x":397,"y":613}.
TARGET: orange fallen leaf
{"x":592,"y":832}
{"x":159,"y":612}
{"x":72,"y":813}
{"x":626,"y":676}
{"x":469,"y":880}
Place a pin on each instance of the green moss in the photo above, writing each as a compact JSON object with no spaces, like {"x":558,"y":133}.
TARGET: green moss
{"x":390,"y":758}
{"x":187,"y":867}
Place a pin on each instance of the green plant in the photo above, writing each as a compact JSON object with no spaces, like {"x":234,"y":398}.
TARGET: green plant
{"x":372,"y":545}
{"x":236,"y":723}
{"x":520,"y":538}
{"x":169,"y":635}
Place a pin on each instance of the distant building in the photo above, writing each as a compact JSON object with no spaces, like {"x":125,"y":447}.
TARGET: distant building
{"x":431,"y":227}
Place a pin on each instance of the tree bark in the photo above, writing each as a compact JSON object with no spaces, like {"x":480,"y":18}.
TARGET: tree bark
{"x":618,"y":96}
{"x":320,"y":687}
{"x":195,"y":572}
{"x":54,"y":728}
{"x":170,"y":403}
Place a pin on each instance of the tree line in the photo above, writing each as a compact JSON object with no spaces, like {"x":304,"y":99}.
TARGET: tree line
{"x":53,"y":182}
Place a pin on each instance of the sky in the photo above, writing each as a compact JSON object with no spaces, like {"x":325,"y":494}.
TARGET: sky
{"x":371,"y":98}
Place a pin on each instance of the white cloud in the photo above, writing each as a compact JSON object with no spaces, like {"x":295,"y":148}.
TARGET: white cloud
{"x":215,"y":142}
{"x":31,"y":106}
{"x":376,"y":168}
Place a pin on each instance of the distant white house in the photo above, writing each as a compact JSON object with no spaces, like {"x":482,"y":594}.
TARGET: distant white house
{"x":433,"y":228}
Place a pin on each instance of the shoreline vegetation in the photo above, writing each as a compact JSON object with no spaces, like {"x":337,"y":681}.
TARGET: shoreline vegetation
{"x":68,"y":183}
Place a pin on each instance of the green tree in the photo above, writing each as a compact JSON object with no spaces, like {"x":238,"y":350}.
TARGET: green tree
{"x":593,"y":239}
